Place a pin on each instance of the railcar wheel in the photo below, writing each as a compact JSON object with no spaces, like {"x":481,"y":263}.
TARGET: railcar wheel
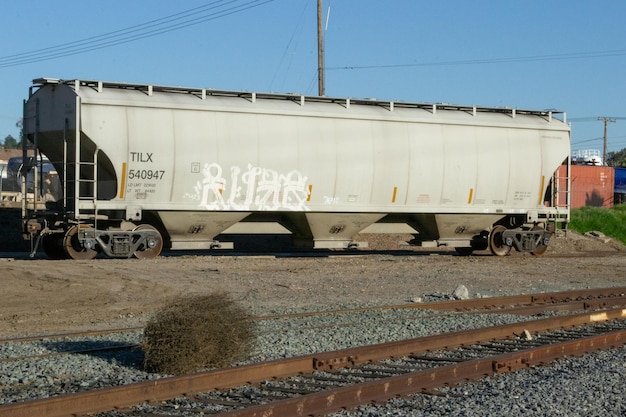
{"x":542,"y":247}
{"x":496,"y":243}
{"x":53,"y":246}
{"x":73,"y":248}
{"x":155,"y":246}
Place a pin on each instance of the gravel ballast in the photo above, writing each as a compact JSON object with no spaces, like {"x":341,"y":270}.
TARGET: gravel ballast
{"x":46,"y":297}
{"x":585,"y":386}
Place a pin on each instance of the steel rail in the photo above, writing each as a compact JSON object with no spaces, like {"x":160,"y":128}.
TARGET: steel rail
{"x":386,"y":388}
{"x":489,"y":303}
{"x":105,"y":399}
{"x":578,"y":305}
{"x":517,"y":304}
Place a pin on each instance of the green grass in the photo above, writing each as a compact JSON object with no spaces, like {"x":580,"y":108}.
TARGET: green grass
{"x":611,"y":222}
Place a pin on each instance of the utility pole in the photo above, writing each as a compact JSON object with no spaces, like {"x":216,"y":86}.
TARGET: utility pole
{"x":320,"y":50}
{"x":606,"y":121}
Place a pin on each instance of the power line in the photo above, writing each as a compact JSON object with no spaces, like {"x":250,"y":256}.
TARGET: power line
{"x":177,"y":21}
{"x":586,"y":140}
{"x":592,"y":118}
{"x":297,"y":31}
{"x":113,"y":34}
{"x":605,"y":137}
{"x":551,"y":57}
{"x":598,"y":138}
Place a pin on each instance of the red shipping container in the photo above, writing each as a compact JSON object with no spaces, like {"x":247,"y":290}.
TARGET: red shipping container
{"x":590,"y":185}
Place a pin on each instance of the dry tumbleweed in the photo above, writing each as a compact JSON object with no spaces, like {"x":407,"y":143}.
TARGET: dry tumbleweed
{"x":197,"y":332}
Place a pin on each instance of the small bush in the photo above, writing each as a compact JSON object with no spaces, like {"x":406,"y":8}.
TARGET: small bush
{"x":197,"y":332}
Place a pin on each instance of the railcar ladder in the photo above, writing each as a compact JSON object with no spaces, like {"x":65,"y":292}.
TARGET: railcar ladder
{"x":561,"y":195}
{"x":84,"y":183}
{"x":86,"y":191}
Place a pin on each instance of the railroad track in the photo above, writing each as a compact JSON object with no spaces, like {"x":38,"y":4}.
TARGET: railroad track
{"x":327,"y":369}
{"x":328,"y":382}
{"x":578,"y":300}
{"x":528,"y":304}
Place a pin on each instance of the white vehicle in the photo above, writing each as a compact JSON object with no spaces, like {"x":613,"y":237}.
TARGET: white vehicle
{"x":180,"y":167}
{"x":588,"y":157}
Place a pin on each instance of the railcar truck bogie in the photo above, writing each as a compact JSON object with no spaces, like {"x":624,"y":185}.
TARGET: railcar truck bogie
{"x":141,"y":168}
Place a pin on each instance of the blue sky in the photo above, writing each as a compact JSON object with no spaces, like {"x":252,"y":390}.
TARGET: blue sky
{"x":568,"y":55}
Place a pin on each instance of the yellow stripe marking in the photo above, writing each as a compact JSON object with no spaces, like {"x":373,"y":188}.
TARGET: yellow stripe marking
{"x":471,"y":195}
{"x":308,"y":198}
{"x":395,"y":192}
{"x":543,"y":182}
{"x":123,"y":184}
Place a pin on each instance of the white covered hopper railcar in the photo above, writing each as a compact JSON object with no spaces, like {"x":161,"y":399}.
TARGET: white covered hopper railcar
{"x":180,"y":167}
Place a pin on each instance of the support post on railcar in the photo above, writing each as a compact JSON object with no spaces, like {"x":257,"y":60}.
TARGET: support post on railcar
{"x":29,"y":228}
{"x":32,"y":166}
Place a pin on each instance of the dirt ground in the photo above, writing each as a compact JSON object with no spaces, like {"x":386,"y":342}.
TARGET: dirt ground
{"x":41,"y":296}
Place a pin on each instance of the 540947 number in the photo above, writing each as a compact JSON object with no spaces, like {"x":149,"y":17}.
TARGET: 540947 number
{"x":145,"y":174}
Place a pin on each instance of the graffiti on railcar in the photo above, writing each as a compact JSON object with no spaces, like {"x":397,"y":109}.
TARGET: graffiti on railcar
{"x":253,"y":188}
